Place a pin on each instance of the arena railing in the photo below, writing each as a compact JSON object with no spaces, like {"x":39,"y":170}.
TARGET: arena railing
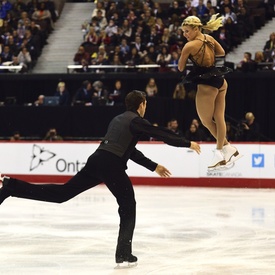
{"x":70,"y":68}
{"x":11,"y":68}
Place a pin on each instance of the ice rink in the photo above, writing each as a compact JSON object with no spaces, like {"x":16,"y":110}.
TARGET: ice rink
{"x":179,"y":230}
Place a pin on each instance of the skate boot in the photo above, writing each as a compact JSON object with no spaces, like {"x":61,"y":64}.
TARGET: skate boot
{"x":3,"y":192}
{"x":217,"y":161}
{"x":126,"y":261}
{"x":229,"y":152}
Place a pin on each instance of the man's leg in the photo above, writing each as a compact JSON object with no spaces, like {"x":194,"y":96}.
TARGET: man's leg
{"x":121,"y":187}
{"x":82,"y":181}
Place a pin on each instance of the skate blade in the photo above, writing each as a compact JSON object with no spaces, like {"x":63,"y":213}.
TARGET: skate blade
{"x":230,"y":164}
{"x":126,"y":265}
{"x":221,"y":167}
{"x":233,"y":159}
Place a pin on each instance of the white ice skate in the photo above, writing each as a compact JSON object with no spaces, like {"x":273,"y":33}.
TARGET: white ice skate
{"x":229,"y":152}
{"x":217,"y":161}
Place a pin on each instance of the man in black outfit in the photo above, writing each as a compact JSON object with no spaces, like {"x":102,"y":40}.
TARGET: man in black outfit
{"x":108,"y":164}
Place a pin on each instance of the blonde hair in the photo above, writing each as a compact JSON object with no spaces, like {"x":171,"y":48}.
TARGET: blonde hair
{"x":212,"y":25}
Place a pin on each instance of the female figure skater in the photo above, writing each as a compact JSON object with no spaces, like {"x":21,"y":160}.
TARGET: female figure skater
{"x":202,"y":49}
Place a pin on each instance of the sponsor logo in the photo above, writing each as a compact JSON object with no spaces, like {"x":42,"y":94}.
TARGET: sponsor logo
{"x":40,"y":156}
{"x":257,"y":160}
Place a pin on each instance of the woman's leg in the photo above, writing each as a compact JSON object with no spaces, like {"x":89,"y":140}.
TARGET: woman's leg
{"x":210,"y":104}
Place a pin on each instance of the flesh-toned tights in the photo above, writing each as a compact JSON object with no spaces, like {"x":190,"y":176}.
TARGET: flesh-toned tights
{"x":210,"y":104}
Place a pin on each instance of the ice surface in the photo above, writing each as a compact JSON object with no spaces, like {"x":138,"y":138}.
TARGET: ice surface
{"x":189,"y":231}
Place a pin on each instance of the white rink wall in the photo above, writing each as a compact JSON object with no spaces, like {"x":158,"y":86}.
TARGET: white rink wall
{"x":45,"y":159}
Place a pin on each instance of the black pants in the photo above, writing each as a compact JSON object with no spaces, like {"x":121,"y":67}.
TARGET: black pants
{"x":101,"y":166}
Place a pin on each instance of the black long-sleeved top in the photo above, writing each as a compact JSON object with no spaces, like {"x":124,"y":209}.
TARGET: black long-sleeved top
{"x":124,"y":132}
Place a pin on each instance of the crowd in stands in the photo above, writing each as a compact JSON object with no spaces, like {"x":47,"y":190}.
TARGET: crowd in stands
{"x":24,"y":29}
{"x":147,"y":32}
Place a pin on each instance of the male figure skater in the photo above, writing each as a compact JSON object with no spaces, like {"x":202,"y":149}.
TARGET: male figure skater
{"x":108,"y":164}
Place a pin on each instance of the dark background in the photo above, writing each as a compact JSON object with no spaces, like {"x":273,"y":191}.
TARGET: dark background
{"x":253,"y":92}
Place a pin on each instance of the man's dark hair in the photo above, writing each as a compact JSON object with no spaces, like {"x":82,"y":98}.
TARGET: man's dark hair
{"x":133,"y":100}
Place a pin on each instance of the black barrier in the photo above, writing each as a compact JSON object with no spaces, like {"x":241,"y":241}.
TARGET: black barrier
{"x":247,"y":92}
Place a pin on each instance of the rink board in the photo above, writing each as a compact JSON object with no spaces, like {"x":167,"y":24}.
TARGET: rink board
{"x":56,"y":162}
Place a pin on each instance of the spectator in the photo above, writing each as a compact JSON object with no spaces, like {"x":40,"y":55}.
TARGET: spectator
{"x":24,"y":57}
{"x":115,"y":61}
{"x":83,"y":95}
{"x":133,"y":58}
{"x":39,"y":101}
{"x":193,"y":133}
{"x":101,"y":19}
{"x":16,"y":136}
{"x":248,"y":129}
{"x":163,"y":59}
{"x":43,"y":18}
{"x":179,"y":92}
{"x":6,"y":54}
{"x":85,"y":67}
{"x":91,"y":37}
{"x":63,"y":94}
{"x":124,"y":49}
{"x":125,"y":31}
{"x":100,"y":94}
{"x":247,"y":64}
{"x":173,"y":125}
{"x":151,"y":88}
{"x":6,"y":6}
{"x":117,"y":95}
{"x":138,"y":44}
{"x":52,"y":135}
{"x":174,"y":61}
{"x":81,"y":54}
{"x":148,"y":61}
{"x":111,"y":31}
{"x":201,"y":129}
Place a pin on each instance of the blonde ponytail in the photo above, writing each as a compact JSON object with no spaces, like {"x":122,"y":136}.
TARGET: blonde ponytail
{"x":212,"y":25}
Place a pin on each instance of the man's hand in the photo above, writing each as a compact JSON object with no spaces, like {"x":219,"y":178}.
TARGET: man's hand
{"x":162,"y":171}
{"x":195,"y":146}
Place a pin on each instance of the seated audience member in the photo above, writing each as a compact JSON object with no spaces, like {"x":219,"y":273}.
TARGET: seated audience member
{"x":52,"y":135}
{"x":201,"y":129}
{"x":43,"y":18}
{"x":117,"y":95}
{"x":100,"y":95}
{"x":83,"y":95}
{"x":260,"y":58}
{"x":174,"y":61}
{"x":270,"y":44}
{"x":173,"y":125}
{"x":163,"y":59}
{"x":25,"y":58}
{"x":63,"y":94}
{"x":100,"y":60}
{"x":16,"y":136}
{"x":247,"y":64}
{"x":81,"y":54}
{"x":193,"y":133}
{"x":39,"y":101}
{"x":151,"y":88}
{"x":179,"y":91}
{"x":85,"y":67}
{"x":248,"y":129}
